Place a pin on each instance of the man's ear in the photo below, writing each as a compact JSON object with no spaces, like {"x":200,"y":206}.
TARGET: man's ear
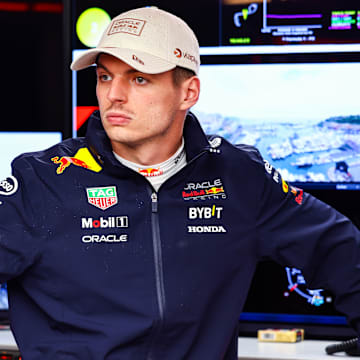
{"x":191,"y":91}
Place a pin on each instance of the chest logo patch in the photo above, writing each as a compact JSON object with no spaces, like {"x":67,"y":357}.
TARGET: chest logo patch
{"x":102,"y":197}
{"x":82,"y":158}
{"x":8,"y":186}
{"x":204,"y":190}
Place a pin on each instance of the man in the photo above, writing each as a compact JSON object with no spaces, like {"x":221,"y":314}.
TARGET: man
{"x":140,"y":240}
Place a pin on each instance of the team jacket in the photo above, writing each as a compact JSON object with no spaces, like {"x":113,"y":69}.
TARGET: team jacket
{"x":101,"y":267}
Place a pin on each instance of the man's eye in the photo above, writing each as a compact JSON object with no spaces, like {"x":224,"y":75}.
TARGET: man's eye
{"x":104,"y":77}
{"x":140,"y":80}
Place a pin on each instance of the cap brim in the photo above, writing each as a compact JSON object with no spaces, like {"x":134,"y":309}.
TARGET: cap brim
{"x":139,"y":60}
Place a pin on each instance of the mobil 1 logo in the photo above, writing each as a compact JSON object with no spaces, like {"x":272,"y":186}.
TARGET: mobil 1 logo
{"x":110,"y":222}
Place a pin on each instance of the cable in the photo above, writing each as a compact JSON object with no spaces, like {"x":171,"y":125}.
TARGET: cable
{"x":349,"y":346}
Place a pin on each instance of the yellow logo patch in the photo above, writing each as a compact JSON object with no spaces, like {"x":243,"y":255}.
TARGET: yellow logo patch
{"x":82,"y":158}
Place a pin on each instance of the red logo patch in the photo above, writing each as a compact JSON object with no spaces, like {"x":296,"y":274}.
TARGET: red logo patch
{"x":178,"y":53}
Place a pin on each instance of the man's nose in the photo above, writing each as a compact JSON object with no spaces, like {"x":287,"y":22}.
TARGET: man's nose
{"x":118,"y":90}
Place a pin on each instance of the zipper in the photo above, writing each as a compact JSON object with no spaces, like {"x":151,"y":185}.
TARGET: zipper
{"x":158,"y":262}
{"x":159,"y":272}
{"x":160,"y":290}
{"x":154,"y":202}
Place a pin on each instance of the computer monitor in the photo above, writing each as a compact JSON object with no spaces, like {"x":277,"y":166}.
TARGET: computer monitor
{"x":304,"y":117}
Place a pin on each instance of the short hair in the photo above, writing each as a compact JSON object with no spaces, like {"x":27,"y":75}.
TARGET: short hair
{"x":181,"y":74}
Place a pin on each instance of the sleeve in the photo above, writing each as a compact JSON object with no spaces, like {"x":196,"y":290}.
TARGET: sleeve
{"x":297,"y":230}
{"x":20,"y":218}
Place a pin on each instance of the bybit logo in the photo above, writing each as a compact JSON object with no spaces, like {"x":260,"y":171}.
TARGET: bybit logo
{"x":205,"y":212}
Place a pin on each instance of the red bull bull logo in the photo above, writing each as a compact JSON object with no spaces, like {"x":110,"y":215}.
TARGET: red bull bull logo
{"x":215,"y":190}
{"x":66,"y":161}
{"x":149,"y":172}
{"x":82,"y":158}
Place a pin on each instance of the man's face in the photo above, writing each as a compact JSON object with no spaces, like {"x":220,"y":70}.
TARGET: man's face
{"x":137,"y":108}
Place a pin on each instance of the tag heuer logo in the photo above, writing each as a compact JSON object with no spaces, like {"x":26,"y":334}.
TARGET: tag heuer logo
{"x":102,"y":197}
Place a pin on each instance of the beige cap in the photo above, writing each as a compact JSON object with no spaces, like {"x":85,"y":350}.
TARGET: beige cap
{"x":148,"y":39}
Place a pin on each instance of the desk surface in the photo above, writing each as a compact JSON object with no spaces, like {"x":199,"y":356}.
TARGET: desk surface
{"x":7,"y":341}
{"x":251,"y":348}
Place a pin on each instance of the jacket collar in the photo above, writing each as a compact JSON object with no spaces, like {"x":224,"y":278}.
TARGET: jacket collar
{"x":195,"y":139}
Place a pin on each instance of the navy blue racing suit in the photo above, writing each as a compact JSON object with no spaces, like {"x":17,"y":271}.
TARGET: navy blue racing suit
{"x":100,"y":266}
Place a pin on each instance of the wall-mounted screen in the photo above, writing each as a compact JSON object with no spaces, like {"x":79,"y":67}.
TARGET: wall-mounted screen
{"x":303,"y":117}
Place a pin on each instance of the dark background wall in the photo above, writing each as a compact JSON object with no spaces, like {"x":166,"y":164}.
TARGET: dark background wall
{"x":32,"y":68}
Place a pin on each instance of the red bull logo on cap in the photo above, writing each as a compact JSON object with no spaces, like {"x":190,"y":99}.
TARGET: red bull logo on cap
{"x":82,"y":158}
